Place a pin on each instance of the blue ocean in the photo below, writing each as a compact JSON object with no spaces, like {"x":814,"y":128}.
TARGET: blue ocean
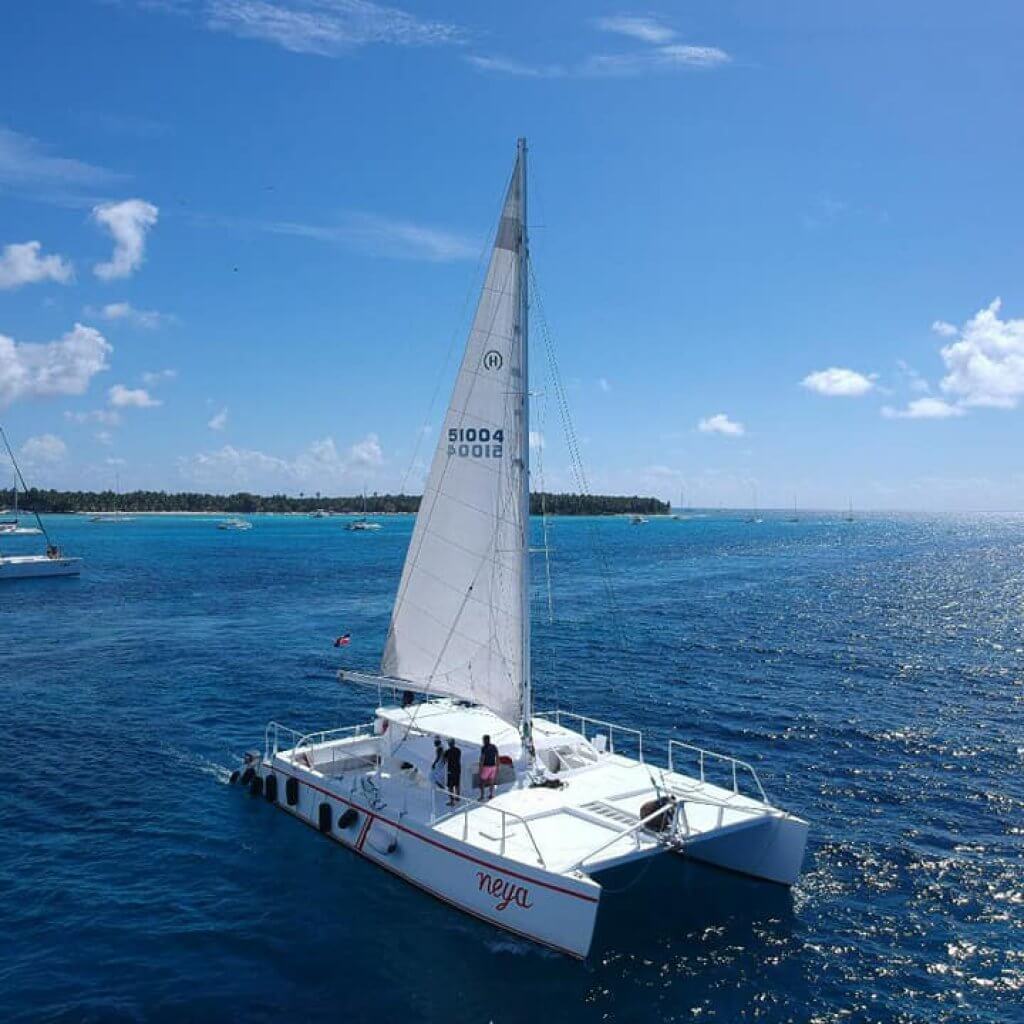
{"x":872,"y":670}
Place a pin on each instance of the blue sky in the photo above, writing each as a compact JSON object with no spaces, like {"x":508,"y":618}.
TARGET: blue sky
{"x":779,"y":244}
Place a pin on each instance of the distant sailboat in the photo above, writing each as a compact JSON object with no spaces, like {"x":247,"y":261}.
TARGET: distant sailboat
{"x":53,"y":562}
{"x":569,"y":797}
{"x":849,"y":513}
{"x":116,"y":516}
{"x":234,"y":523}
{"x":794,"y":518}
{"x":754,"y":517}
{"x":362,"y":523}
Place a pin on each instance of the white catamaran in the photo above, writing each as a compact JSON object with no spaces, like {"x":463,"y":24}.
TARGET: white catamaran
{"x":573,"y":797}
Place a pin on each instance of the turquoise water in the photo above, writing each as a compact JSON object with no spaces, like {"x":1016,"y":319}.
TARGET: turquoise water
{"x":873,"y":671}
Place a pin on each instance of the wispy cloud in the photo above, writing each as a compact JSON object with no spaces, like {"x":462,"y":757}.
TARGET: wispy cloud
{"x":25,"y":163}
{"x":22,"y":263}
{"x":44,"y":448}
{"x":385,"y":237}
{"x":327,"y":28}
{"x":219,"y":420}
{"x":646,"y":29}
{"x":663,"y":52}
{"x":152,"y":377}
{"x":125,"y":312}
{"x":510,"y":66}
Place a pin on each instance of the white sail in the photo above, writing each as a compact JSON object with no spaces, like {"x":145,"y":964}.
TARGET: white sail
{"x":460,"y":623}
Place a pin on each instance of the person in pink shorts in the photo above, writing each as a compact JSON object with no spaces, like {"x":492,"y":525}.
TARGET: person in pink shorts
{"x":488,"y":767}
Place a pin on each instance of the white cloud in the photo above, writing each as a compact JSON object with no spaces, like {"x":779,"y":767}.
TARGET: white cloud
{"x":914,"y":380}
{"x":127,"y":221}
{"x":44,"y":448}
{"x":647,"y":30}
{"x":927,"y":408}
{"x":602,"y":383}
{"x":63,"y":367}
{"x":321,"y":466}
{"x":20,"y":263}
{"x":662,"y":53}
{"x":839,"y":382}
{"x":149,"y":319}
{"x":674,"y":57}
{"x":943,"y":329}
{"x":151,"y":377}
{"x":134,"y":398}
{"x":25,"y":163}
{"x":108,"y":417}
{"x":985,"y":365}
{"x":510,"y":66}
{"x":385,"y":237}
{"x":219,"y":421}
{"x":366,"y":452}
{"x":721,"y":424}
{"x":326,"y":27}
{"x":104,"y":437}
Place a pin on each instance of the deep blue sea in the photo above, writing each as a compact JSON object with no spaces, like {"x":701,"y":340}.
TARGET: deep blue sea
{"x":873,"y":671}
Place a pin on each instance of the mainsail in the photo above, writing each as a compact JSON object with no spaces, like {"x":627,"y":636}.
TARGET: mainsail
{"x":460,"y":626}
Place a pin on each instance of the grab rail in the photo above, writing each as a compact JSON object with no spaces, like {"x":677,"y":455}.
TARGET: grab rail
{"x":311,"y":739}
{"x":733,"y":762}
{"x":470,"y":804}
{"x":612,"y":728}
{"x":632,"y":830}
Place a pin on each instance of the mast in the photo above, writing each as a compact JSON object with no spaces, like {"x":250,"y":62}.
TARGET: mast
{"x":526,"y":724}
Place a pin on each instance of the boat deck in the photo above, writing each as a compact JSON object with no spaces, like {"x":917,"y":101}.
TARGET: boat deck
{"x":590,"y":823}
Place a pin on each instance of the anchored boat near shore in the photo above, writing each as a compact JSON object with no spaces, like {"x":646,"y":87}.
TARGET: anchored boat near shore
{"x":573,"y":796}
{"x":18,"y":567}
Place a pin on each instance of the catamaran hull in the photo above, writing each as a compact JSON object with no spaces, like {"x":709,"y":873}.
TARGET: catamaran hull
{"x":28,"y":568}
{"x":770,"y":848}
{"x":548,"y":908}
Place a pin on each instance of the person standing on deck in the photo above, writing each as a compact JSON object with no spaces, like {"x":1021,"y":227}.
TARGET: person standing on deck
{"x":453,"y":762}
{"x":437,"y":770}
{"x":488,"y":767}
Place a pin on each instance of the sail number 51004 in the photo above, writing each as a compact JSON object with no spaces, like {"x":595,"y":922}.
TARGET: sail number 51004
{"x":476,"y":442}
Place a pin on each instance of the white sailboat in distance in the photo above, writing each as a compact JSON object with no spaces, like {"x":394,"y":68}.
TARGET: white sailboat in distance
{"x":53,"y":562}
{"x":570,"y":796}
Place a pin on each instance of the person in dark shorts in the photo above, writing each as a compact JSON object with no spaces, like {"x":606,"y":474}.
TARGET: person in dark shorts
{"x":453,"y":763}
{"x":488,"y":767}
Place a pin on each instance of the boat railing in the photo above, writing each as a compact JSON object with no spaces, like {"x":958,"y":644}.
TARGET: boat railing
{"x":296,"y":741}
{"x":467,"y":804}
{"x":734,"y":766}
{"x":634,"y":830}
{"x":610,"y":729}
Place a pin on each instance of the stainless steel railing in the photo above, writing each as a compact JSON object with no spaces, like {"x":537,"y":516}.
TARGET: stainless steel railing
{"x":735,"y":765}
{"x":467,"y":804}
{"x":612,"y":729}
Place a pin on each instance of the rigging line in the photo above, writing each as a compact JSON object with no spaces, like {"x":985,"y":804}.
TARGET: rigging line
{"x":576,"y":462}
{"x":24,"y":486}
{"x":577,"y":468}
